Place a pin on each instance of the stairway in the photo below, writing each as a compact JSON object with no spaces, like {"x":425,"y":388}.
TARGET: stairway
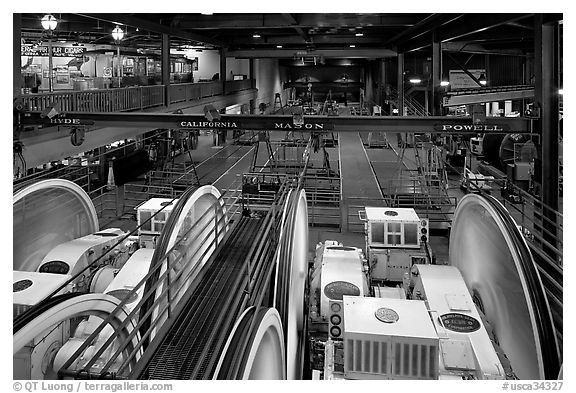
{"x":411,"y":105}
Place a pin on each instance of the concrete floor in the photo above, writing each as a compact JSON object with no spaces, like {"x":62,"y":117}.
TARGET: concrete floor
{"x":222,"y":165}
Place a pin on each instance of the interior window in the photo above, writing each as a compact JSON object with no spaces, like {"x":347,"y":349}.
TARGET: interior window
{"x":377,"y":232}
{"x":411,"y":234}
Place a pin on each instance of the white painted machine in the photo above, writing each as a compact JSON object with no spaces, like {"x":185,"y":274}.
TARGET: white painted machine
{"x":337,"y":271}
{"x":121,"y":287}
{"x":396,"y":239}
{"x":465,"y":346}
{"x":29,"y":288}
{"x":151,"y":220}
{"x":476,"y":145}
{"x":435,"y":334}
{"x":75,"y":255}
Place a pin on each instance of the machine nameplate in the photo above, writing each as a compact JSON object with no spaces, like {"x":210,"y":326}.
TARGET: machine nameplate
{"x":460,"y":323}
{"x":336,"y":289}
{"x":387,"y":315}
{"x":122,"y":294}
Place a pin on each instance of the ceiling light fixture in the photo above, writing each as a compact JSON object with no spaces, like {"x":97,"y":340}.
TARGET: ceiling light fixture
{"x":444,"y":83}
{"x":256,"y":35}
{"x":352,"y":46}
{"x":415,"y":80}
{"x":49,"y":22}
{"x":482,"y":80}
{"x":279,"y":46}
{"x":117,"y":33}
{"x":359,"y":34}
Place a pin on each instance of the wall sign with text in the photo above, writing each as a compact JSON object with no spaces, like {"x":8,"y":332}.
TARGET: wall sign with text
{"x":57,"y":51}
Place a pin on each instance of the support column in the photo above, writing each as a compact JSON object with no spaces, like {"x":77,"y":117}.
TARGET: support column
{"x":16,"y":55}
{"x":252,"y":74}
{"x":400,"y":84}
{"x":382,"y":96}
{"x":223,"y":70}
{"x":547,"y":64}
{"x":436,"y":75}
{"x":166,"y":67}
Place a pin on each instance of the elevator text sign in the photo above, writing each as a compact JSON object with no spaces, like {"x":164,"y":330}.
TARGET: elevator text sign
{"x":495,"y":128}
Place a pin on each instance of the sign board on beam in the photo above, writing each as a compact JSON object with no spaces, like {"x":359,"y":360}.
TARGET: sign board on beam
{"x":460,"y":80}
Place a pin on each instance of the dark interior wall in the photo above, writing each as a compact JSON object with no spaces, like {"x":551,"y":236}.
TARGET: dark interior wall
{"x":269,"y":78}
{"x":501,"y":70}
{"x":373,"y":82}
{"x":328,"y":74}
{"x":321,"y":73}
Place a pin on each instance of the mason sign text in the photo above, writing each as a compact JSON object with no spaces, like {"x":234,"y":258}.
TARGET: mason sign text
{"x":306,"y":126}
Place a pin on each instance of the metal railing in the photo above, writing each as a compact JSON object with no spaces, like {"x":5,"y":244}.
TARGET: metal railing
{"x":161,"y":303}
{"x":130,"y":98}
{"x":413,"y":107}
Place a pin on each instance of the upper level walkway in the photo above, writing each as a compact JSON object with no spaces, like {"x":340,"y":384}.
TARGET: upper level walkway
{"x":51,"y":144}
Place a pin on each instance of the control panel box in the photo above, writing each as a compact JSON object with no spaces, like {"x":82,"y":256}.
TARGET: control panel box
{"x":389,"y":339}
{"x":152,"y":217}
{"x":393,"y":227}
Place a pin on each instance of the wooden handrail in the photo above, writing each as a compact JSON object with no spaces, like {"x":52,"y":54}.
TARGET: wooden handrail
{"x":129,"y":98}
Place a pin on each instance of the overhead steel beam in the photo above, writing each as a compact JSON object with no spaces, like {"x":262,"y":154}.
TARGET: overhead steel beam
{"x":426,"y":25}
{"x":469,"y":24}
{"x":294,"y":23}
{"x":283,"y":39}
{"x":278,"y":21}
{"x":467,"y":47}
{"x":135,"y":21}
{"x":463,"y":68}
{"x":475,"y":23}
{"x":437,"y":124}
{"x":291,"y":53}
{"x":468,"y":99}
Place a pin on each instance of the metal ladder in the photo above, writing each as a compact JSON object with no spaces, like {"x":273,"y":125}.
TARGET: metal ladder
{"x":278,"y":103}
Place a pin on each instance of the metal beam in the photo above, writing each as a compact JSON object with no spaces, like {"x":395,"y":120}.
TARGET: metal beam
{"x":470,"y":24}
{"x":278,"y":21}
{"x":547,"y":66}
{"x":400,"y":83}
{"x":327,"y":53}
{"x":135,"y":21}
{"x":463,"y":68}
{"x":239,"y":41}
{"x":475,"y":23}
{"x":294,"y":23}
{"x":437,"y":124}
{"x":467,"y":47}
{"x":468,"y":99}
{"x":426,"y":25}
{"x":436,"y":74}
{"x":165,"y":59}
